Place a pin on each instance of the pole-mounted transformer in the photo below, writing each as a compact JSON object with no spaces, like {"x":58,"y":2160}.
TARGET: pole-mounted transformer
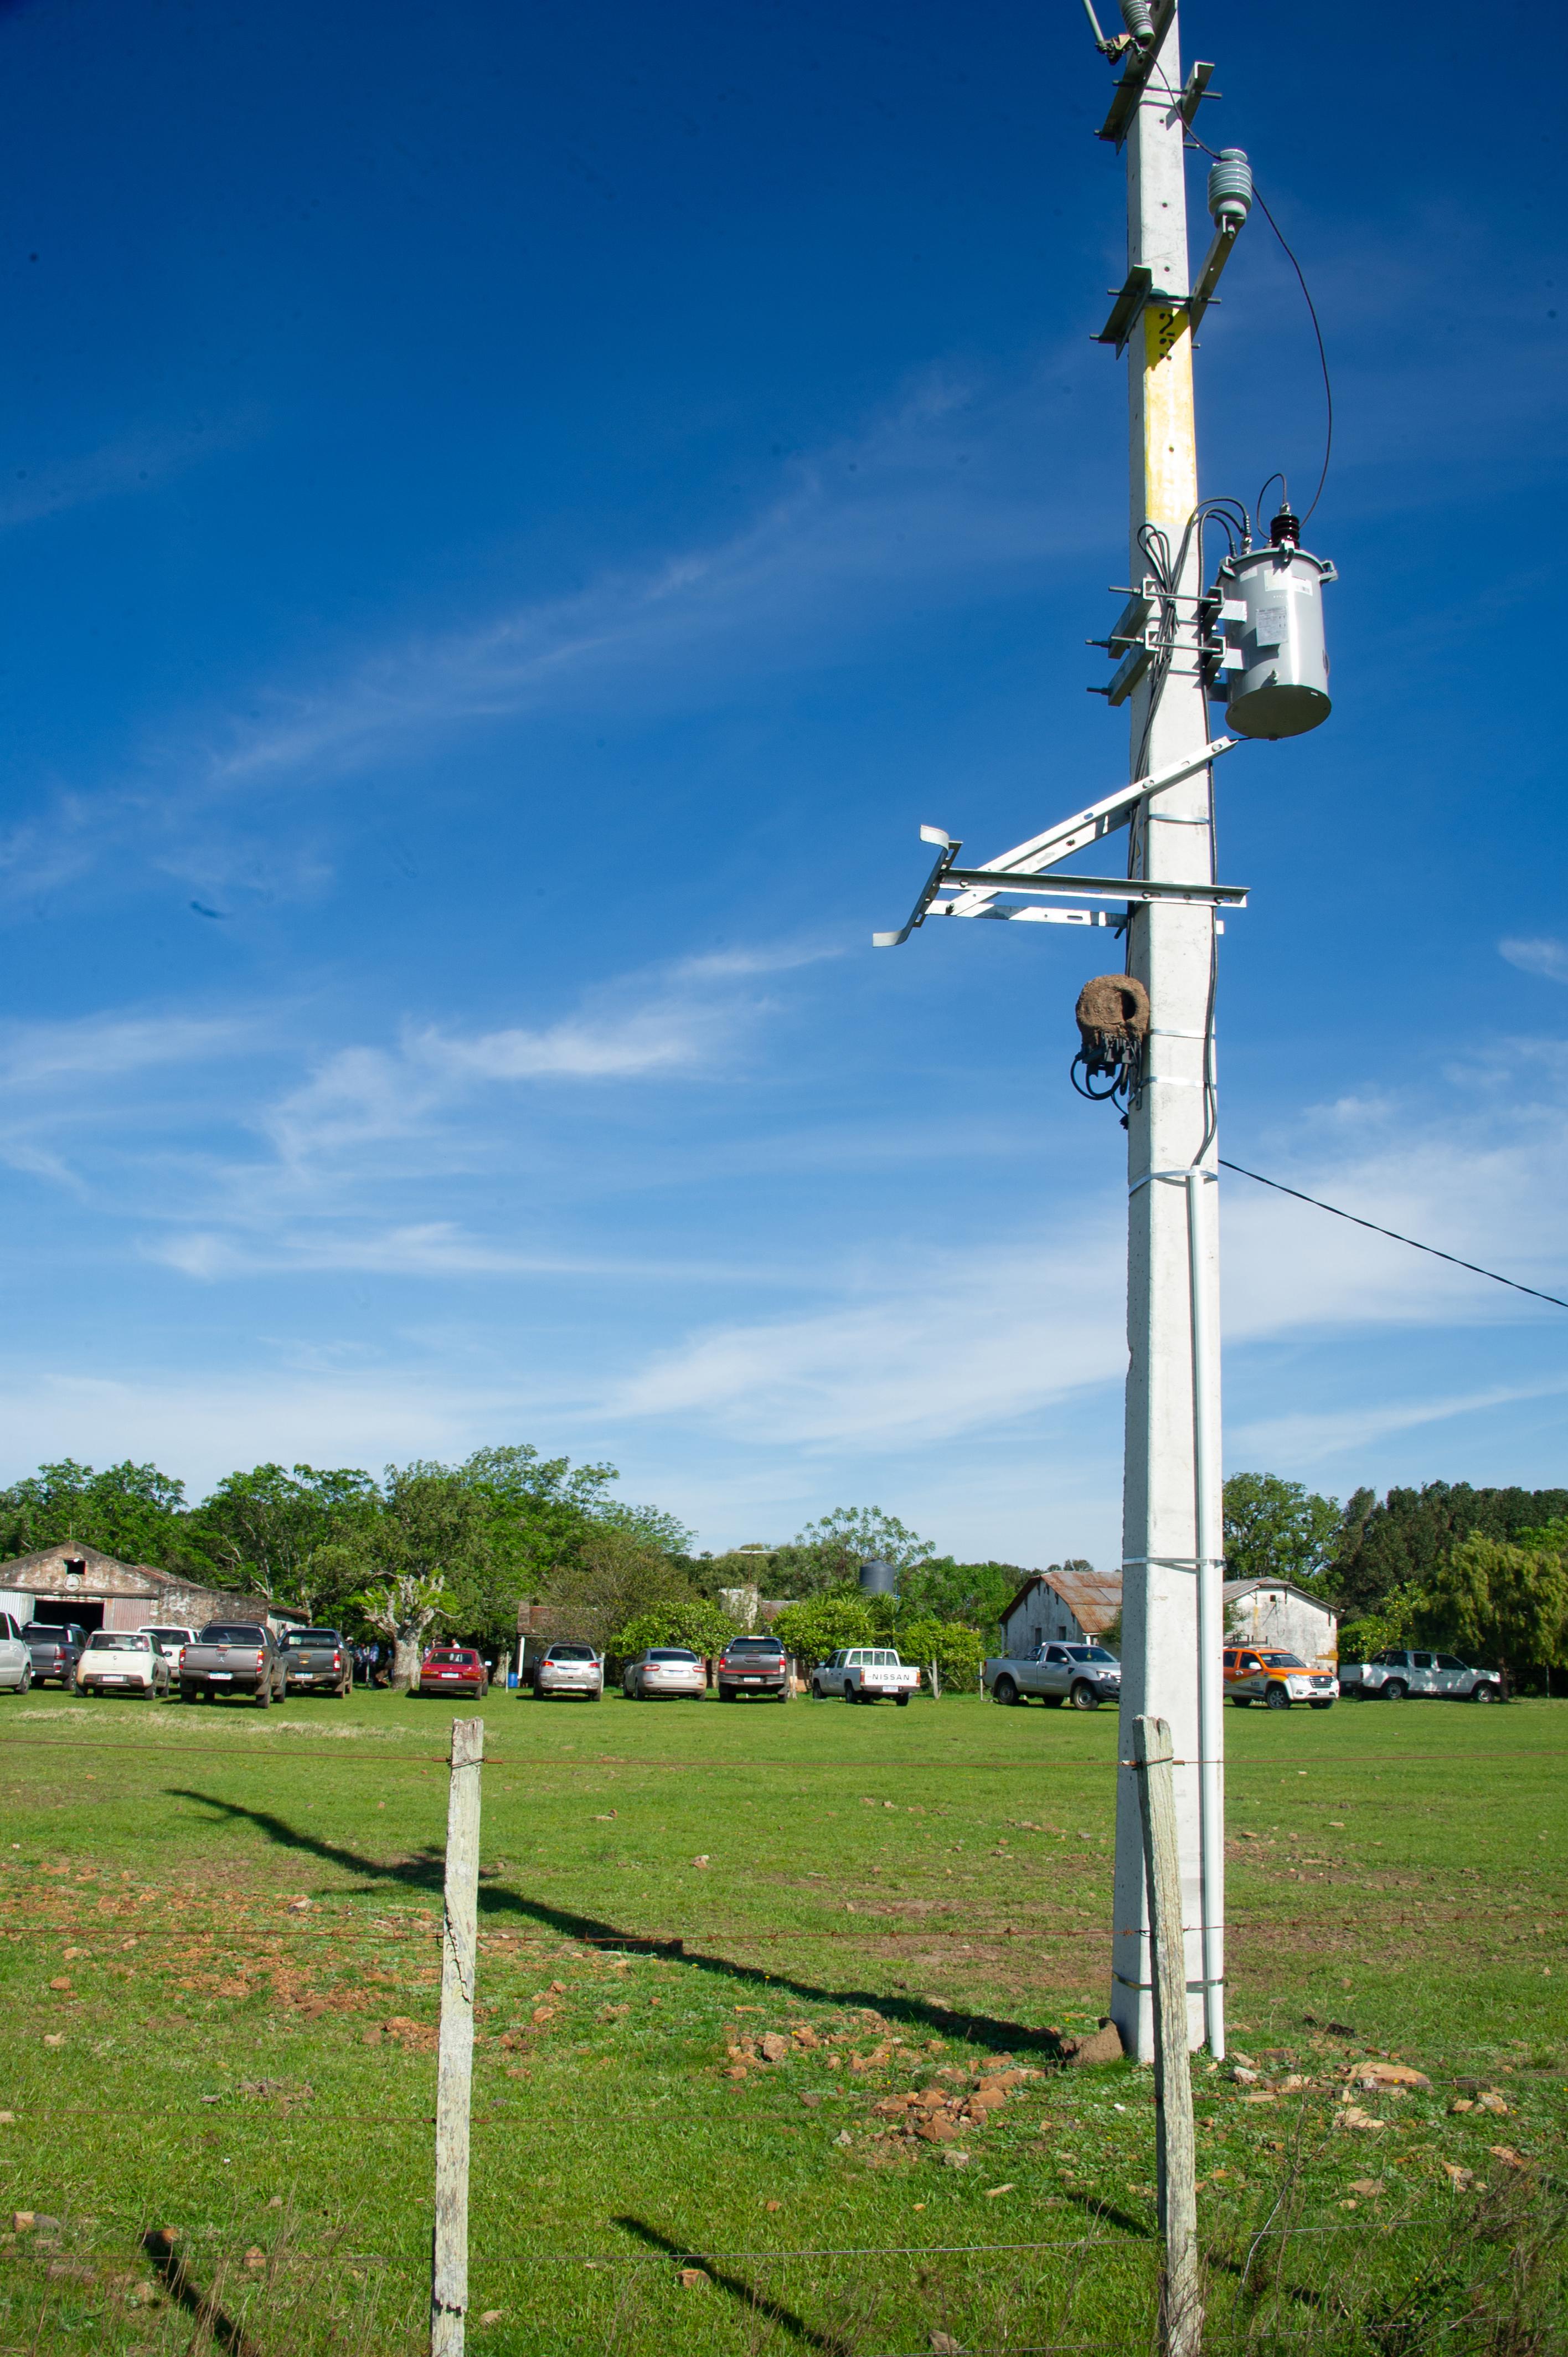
{"x":1269,"y":665}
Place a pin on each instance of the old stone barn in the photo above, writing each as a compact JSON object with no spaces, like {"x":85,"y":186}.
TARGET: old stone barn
{"x":72,"y":1582}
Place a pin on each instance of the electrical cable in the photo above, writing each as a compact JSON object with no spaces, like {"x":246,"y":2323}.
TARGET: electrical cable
{"x":1322,"y":355}
{"x":1437,"y":1253}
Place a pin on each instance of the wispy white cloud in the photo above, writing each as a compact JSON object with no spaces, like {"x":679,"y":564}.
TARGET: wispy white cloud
{"x":688,"y":1019}
{"x":1543,"y":956}
{"x":433,"y":1248}
{"x":97,"y":1048}
{"x":948,"y":487}
{"x":1304,"y":1437}
{"x":929,"y":1344}
{"x":132,"y":463}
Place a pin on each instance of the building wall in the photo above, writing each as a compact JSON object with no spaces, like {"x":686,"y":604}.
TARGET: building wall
{"x":1276,"y":1615}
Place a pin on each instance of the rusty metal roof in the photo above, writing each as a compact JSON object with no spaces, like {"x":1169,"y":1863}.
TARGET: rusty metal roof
{"x":1093,"y":1598}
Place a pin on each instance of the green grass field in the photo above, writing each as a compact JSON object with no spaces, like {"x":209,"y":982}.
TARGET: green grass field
{"x":221,"y":1960}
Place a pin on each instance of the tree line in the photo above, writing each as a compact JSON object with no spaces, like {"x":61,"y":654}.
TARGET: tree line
{"x":452,"y":1551}
{"x":1481,"y":1572}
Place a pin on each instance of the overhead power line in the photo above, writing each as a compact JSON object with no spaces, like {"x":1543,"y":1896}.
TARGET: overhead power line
{"x":1473,"y":1267}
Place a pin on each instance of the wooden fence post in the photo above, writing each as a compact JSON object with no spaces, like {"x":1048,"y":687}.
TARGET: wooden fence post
{"x":454,"y":2066}
{"x":1181,"y":2301}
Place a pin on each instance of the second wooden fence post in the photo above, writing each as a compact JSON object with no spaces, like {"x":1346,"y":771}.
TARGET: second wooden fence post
{"x":454,"y":2066}
{"x":1181,"y":2298}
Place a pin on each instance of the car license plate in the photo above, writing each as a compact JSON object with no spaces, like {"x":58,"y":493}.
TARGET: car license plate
{"x":749,"y":1681}
{"x":220,"y":1674}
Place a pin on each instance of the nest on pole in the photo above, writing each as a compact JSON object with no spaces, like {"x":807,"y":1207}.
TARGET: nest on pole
{"x":1113,"y":1021}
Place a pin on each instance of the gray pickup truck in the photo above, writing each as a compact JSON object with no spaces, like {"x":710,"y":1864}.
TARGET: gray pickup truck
{"x":317,"y":1661}
{"x":1085,"y":1676}
{"x":234,"y":1657}
{"x":56,"y":1648}
{"x":1401,"y":1671}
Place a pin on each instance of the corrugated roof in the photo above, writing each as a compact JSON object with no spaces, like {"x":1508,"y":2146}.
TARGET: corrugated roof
{"x":1237,"y":1587}
{"x":1093,"y":1598}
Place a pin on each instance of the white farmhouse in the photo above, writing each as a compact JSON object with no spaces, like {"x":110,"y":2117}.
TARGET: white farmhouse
{"x":1276,"y":1613}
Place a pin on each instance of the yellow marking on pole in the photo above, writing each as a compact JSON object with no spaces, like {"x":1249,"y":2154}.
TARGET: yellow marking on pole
{"x":1170,"y":437}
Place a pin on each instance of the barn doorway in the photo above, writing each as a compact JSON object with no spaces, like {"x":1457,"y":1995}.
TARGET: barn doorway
{"x":60,"y":1611}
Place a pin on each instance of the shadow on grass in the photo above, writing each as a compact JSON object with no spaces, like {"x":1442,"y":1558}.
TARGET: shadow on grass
{"x":760,"y":2302}
{"x":182,"y":2287}
{"x":426,"y":1873}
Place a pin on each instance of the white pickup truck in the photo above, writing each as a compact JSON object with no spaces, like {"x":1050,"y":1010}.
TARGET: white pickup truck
{"x":1390,"y":1676}
{"x":1085,"y":1676}
{"x":865,"y":1674}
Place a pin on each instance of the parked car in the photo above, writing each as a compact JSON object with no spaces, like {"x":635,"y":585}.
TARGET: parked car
{"x":234,"y":1657}
{"x":123,"y":1661}
{"x":316,"y":1660}
{"x":865,"y":1674}
{"x":754,"y":1665}
{"x":1262,"y":1673}
{"x":1085,"y":1676}
{"x":170,"y":1640}
{"x":56,"y":1650}
{"x":664,"y":1669}
{"x":454,"y":1670}
{"x":15,"y":1656}
{"x":567,"y":1670}
{"x":1390,"y":1676}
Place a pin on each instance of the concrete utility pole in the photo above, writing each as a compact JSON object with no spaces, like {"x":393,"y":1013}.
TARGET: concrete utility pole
{"x":1254,"y":638}
{"x":1172,"y":1627}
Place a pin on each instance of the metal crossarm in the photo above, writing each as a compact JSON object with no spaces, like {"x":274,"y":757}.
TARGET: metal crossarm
{"x":1133,"y":889}
{"x":933,"y":886}
{"x":1043,"y":851}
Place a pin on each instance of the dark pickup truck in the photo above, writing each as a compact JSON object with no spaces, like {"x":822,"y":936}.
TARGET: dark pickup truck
{"x":317,"y":1661}
{"x":56,"y":1651}
{"x":232,"y":1657}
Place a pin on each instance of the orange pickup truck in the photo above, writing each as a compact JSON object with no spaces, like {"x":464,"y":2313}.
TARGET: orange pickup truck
{"x":1263,"y":1674}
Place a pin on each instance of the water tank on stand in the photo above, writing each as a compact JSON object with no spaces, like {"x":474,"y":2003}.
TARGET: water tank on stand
{"x":878,"y":1578}
{"x":1270,"y":616}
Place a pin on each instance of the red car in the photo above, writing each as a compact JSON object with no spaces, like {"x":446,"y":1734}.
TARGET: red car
{"x":453,"y":1669}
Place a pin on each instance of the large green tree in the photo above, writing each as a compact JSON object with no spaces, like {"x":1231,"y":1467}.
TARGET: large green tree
{"x":259,"y":1531}
{"x":690,"y":1620}
{"x":611,"y":1577}
{"x":977,"y":1594}
{"x":132,"y":1512}
{"x":1276,"y":1529}
{"x":1501,"y":1604}
{"x":1402,"y":1539}
{"x":819,"y":1625}
{"x":828,"y":1552}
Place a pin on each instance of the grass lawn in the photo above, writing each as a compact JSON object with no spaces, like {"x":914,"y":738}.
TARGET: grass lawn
{"x":219,"y":1945}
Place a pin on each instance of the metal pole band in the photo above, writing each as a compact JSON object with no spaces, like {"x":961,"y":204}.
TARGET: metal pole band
{"x":1192,"y":1170}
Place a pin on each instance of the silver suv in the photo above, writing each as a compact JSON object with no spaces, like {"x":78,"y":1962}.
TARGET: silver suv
{"x":568,"y":1670}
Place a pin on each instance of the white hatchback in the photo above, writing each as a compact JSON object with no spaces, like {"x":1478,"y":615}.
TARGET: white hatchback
{"x":120,"y":1661}
{"x":665,"y":1670}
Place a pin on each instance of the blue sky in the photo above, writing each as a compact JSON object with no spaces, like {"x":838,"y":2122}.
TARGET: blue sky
{"x":512,"y":518}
